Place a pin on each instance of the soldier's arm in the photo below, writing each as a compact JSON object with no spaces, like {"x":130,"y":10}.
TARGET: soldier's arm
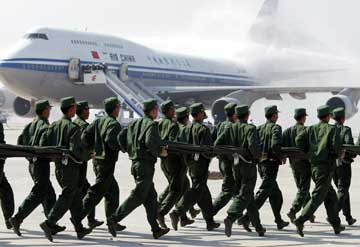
{"x":45,"y":138}
{"x":152,"y":139}
{"x":88,"y":135}
{"x":302,"y":140}
{"x":286,"y":138}
{"x":254,"y":142}
{"x":174,"y":132}
{"x":205,"y":136}
{"x":223,"y":138}
{"x":276,"y":141}
{"x":348,"y":139}
{"x":336,"y":142}
{"x":111,"y":136}
{"x":75,"y":145}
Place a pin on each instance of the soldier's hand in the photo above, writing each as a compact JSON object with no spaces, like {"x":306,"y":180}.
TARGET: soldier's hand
{"x":163,"y":152}
{"x":342,"y":155}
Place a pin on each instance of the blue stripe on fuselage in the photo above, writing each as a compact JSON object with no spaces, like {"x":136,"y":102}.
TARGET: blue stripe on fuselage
{"x":53,"y":68}
{"x":130,"y":66}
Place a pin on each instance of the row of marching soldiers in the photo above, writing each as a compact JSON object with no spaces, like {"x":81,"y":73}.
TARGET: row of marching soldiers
{"x":102,"y":140}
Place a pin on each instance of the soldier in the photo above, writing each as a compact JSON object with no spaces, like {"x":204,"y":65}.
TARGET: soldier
{"x":271,"y":139}
{"x":6,"y":192}
{"x":143,"y":141}
{"x":83,"y":112}
{"x":225,"y":164}
{"x":198,"y":134}
{"x":101,"y":138}
{"x":322,"y":143}
{"x":342,"y":176}
{"x":300,"y":168}
{"x":64,"y":133}
{"x":42,"y":192}
{"x":244,"y":135}
{"x":182,"y":116}
{"x":170,"y":165}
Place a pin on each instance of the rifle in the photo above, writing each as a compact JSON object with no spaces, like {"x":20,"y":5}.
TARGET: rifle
{"x":226,"y":150}
{"x":31,"y":152}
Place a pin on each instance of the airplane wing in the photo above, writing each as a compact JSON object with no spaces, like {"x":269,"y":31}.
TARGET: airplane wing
{"x":211,"y":93}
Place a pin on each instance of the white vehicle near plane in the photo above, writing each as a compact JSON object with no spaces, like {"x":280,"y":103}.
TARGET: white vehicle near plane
{"x":52,"y":63}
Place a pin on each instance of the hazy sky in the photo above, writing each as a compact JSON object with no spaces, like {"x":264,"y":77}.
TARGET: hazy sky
{"x":159,"y":22}
{"x":189,"y":25}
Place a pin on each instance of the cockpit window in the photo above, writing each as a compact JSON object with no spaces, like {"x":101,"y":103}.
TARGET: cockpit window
{"x":36,"y":36}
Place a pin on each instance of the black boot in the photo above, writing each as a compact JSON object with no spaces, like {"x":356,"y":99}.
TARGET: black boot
{"x":312,"y":219}
{"x":186,"y":221}
{"x":161,"y":232}
{"x":338,"y":229}
{"x":56,"y":229}
{"x":194,"y":212}
{"x":211,"y":225}
{"x":112,"y":224}
{"x":281,"y":224}
{"x":261,"y":231}
{"x":351,"y":221}
{"x":161,"y":220}
{"x":119,"y":227}
{"x":246,"y":224}
{"x":15,"y":225}
{"x":8,"y":224}
{"x":299,"y":228}
{"x":292,"y":215}
{"x":228,"y":226}
{"x":93,"y":223}
{"x":174,"y":220}
{"x":82,"y":232}
{"x":47,"y":229}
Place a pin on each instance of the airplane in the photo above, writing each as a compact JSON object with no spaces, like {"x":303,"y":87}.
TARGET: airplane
{"x":52,"y":63}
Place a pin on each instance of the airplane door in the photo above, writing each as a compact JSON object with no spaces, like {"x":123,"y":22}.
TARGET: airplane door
{"x":74,"y":69}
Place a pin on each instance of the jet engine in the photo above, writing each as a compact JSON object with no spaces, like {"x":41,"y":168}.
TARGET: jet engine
{"x":217,"y":109}
{"x":23,"y":107}
{"x":346,"y":101}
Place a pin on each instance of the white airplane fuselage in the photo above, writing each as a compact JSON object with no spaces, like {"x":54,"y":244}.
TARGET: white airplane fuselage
{"x":38,"y":66}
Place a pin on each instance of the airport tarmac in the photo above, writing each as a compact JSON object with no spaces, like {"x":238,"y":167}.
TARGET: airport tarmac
{"x":138,"y":231}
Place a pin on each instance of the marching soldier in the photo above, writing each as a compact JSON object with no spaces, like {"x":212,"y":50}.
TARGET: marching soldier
{"x":271,"y":140}
{"x":182,"y":116}
{"x":342,"y":176}
{"x":171,"y":165}
{"x":244,"y":135}
{"x":322,"y":143}
{"x":143,"y":141}
{"x":100,"y":137}
{"x":225,"y":164}
{"x":64,"y":133}
{"x":6,"y":192}
{"x":42,"y":191}
{"x":199,"y":193}
{"x":300,"y":168}
{"x":83,"y":112}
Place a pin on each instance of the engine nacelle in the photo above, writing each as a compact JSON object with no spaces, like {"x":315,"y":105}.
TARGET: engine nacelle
{"x":344,"y":101}
{"x":217,"y":109}
{"x":23,"y":107}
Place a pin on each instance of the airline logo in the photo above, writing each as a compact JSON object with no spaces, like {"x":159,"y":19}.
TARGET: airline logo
{"x":95,"y":54}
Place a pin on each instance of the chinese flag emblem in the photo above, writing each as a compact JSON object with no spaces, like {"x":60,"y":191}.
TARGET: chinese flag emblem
{"x":95,"y":55}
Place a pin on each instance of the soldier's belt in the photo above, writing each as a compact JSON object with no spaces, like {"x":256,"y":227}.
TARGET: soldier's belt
{"x":33,"y":153}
